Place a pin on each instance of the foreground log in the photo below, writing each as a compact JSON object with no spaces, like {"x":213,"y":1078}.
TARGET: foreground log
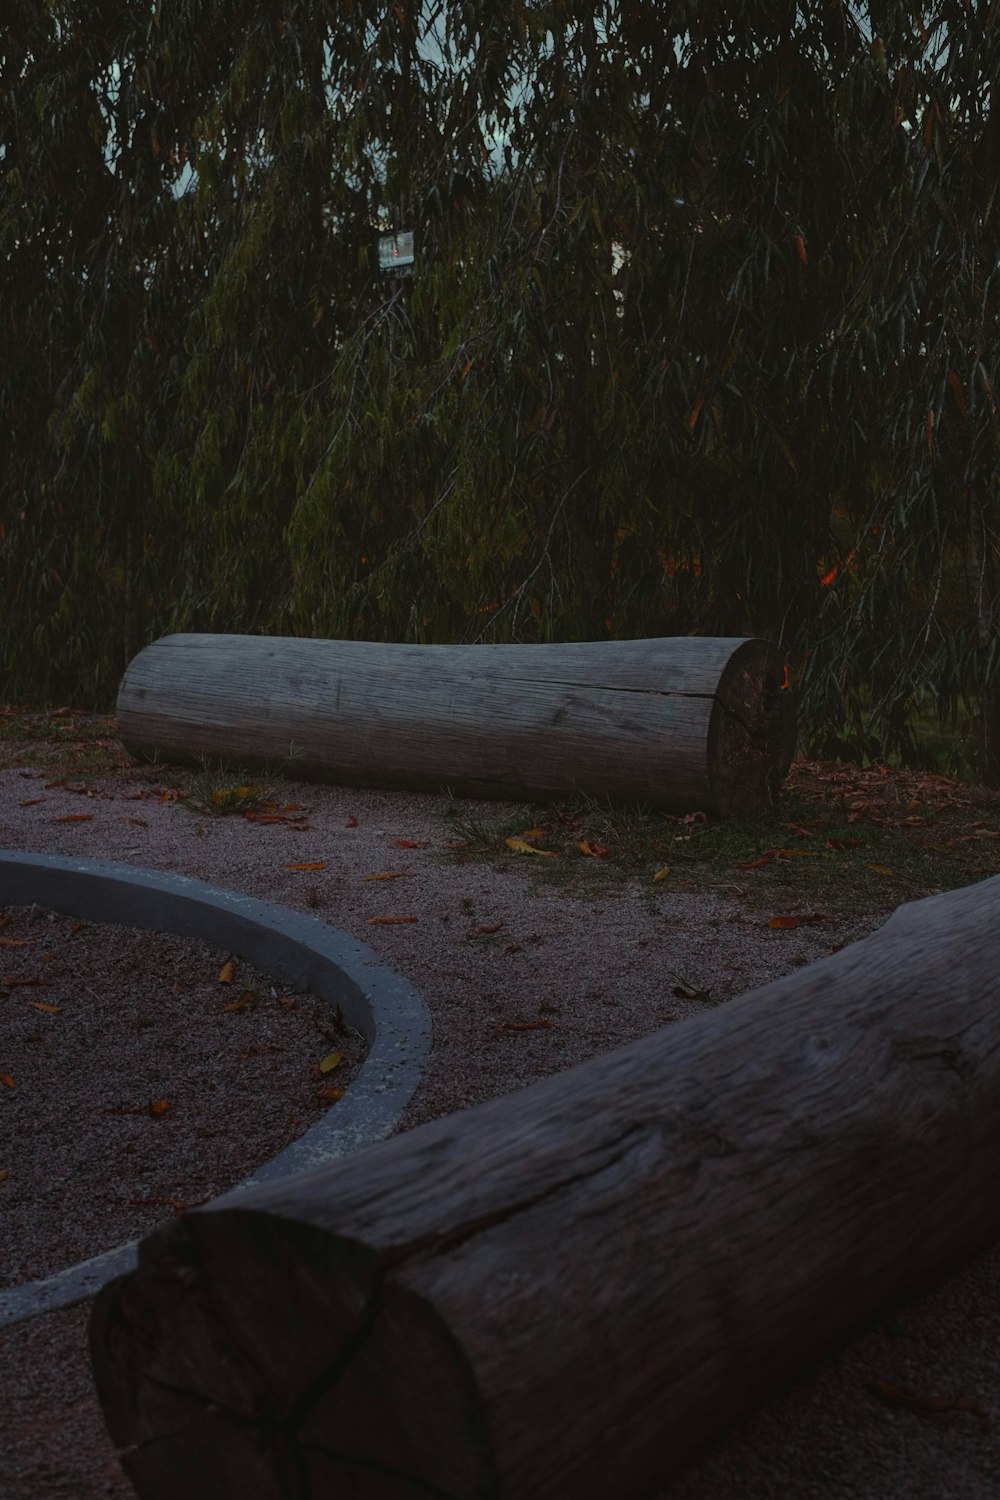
{"x":685,"y":723}
{"x":562,"y":1293}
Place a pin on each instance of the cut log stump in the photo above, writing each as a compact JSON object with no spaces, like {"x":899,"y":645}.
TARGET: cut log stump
{"x":563,"y":1292}
{"x":683,"y":723}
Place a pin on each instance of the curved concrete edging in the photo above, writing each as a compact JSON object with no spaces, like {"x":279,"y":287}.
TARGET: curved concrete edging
{"x":302,"y":951}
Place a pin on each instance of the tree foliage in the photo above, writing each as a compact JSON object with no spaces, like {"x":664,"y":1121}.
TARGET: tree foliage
{"x":700,"y":339}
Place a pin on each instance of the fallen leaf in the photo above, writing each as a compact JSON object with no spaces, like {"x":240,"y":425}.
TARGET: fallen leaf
{"x":592,"y":849}
{"x":809,"y":916}
{"x":330,"y":1061}
{"x":352,"y":822}
{"x":526,"y":1026}
{"x":256,"y":817}
{"x":392,"y":919}
{"x":329,"y":1093}
{"x":159,"y":1106}
{"x":487,"y":931}
{"x":756,"y":864}
{"x":242,"y":1002}
{"x":3,"y":1174}
{"x":293,"y":807}
{"x":843,"y":843}
{"x":137,"y":822}
{"x":73,"y":818}
{"x":533,"y":833}
{"x":317,"y":864}
{"x":880,"y":869}
{"x":520,"y":847}
{"x":16,"y":942}
{"x":226,"y":972}
{"x":32,"y":802}
{"x":390,"y":875}
{"x":662,"y":872}
{"x":411,"y":843}
{"x":927,"y":1405}
{"x":7,"y":1081}
{"x":50,"y":1010}
{"x":11,"y":982}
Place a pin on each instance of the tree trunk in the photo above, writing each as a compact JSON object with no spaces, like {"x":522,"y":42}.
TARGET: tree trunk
{"x":563,"y":1292}
{"x":683,"y":723}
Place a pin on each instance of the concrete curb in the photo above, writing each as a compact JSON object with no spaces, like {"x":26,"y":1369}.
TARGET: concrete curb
{"x":302,"y":951}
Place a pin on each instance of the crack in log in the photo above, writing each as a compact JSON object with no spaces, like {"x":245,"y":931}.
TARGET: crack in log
{"x":445,"y":1242}
{"x":600,"y":687}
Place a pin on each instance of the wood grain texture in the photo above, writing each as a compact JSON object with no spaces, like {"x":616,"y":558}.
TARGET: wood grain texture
{"x":680,"y":723}
{"x":564,"y":1292}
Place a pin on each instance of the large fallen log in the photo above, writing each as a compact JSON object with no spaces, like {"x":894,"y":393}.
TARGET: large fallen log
{"x":683,"y":723}
{"x":562,"y":1293}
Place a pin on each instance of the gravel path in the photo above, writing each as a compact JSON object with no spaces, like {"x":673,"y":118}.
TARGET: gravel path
{"x":520,"y":981}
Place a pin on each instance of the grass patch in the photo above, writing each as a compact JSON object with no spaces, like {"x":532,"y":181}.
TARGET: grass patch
{"x":840,"y":841}
{"x":63,"y":742}
{"x":225,"y":791}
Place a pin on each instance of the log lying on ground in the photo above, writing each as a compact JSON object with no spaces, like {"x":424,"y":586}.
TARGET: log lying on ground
{"x":562,"y":1293}
{"x":684,"y":723}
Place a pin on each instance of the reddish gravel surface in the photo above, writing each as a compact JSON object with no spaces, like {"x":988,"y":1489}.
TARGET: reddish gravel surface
{"x":909,"y":1407}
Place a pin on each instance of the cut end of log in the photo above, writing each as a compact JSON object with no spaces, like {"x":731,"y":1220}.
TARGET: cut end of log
{"x":340,"y":1384}
{"x":752,"y":732}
